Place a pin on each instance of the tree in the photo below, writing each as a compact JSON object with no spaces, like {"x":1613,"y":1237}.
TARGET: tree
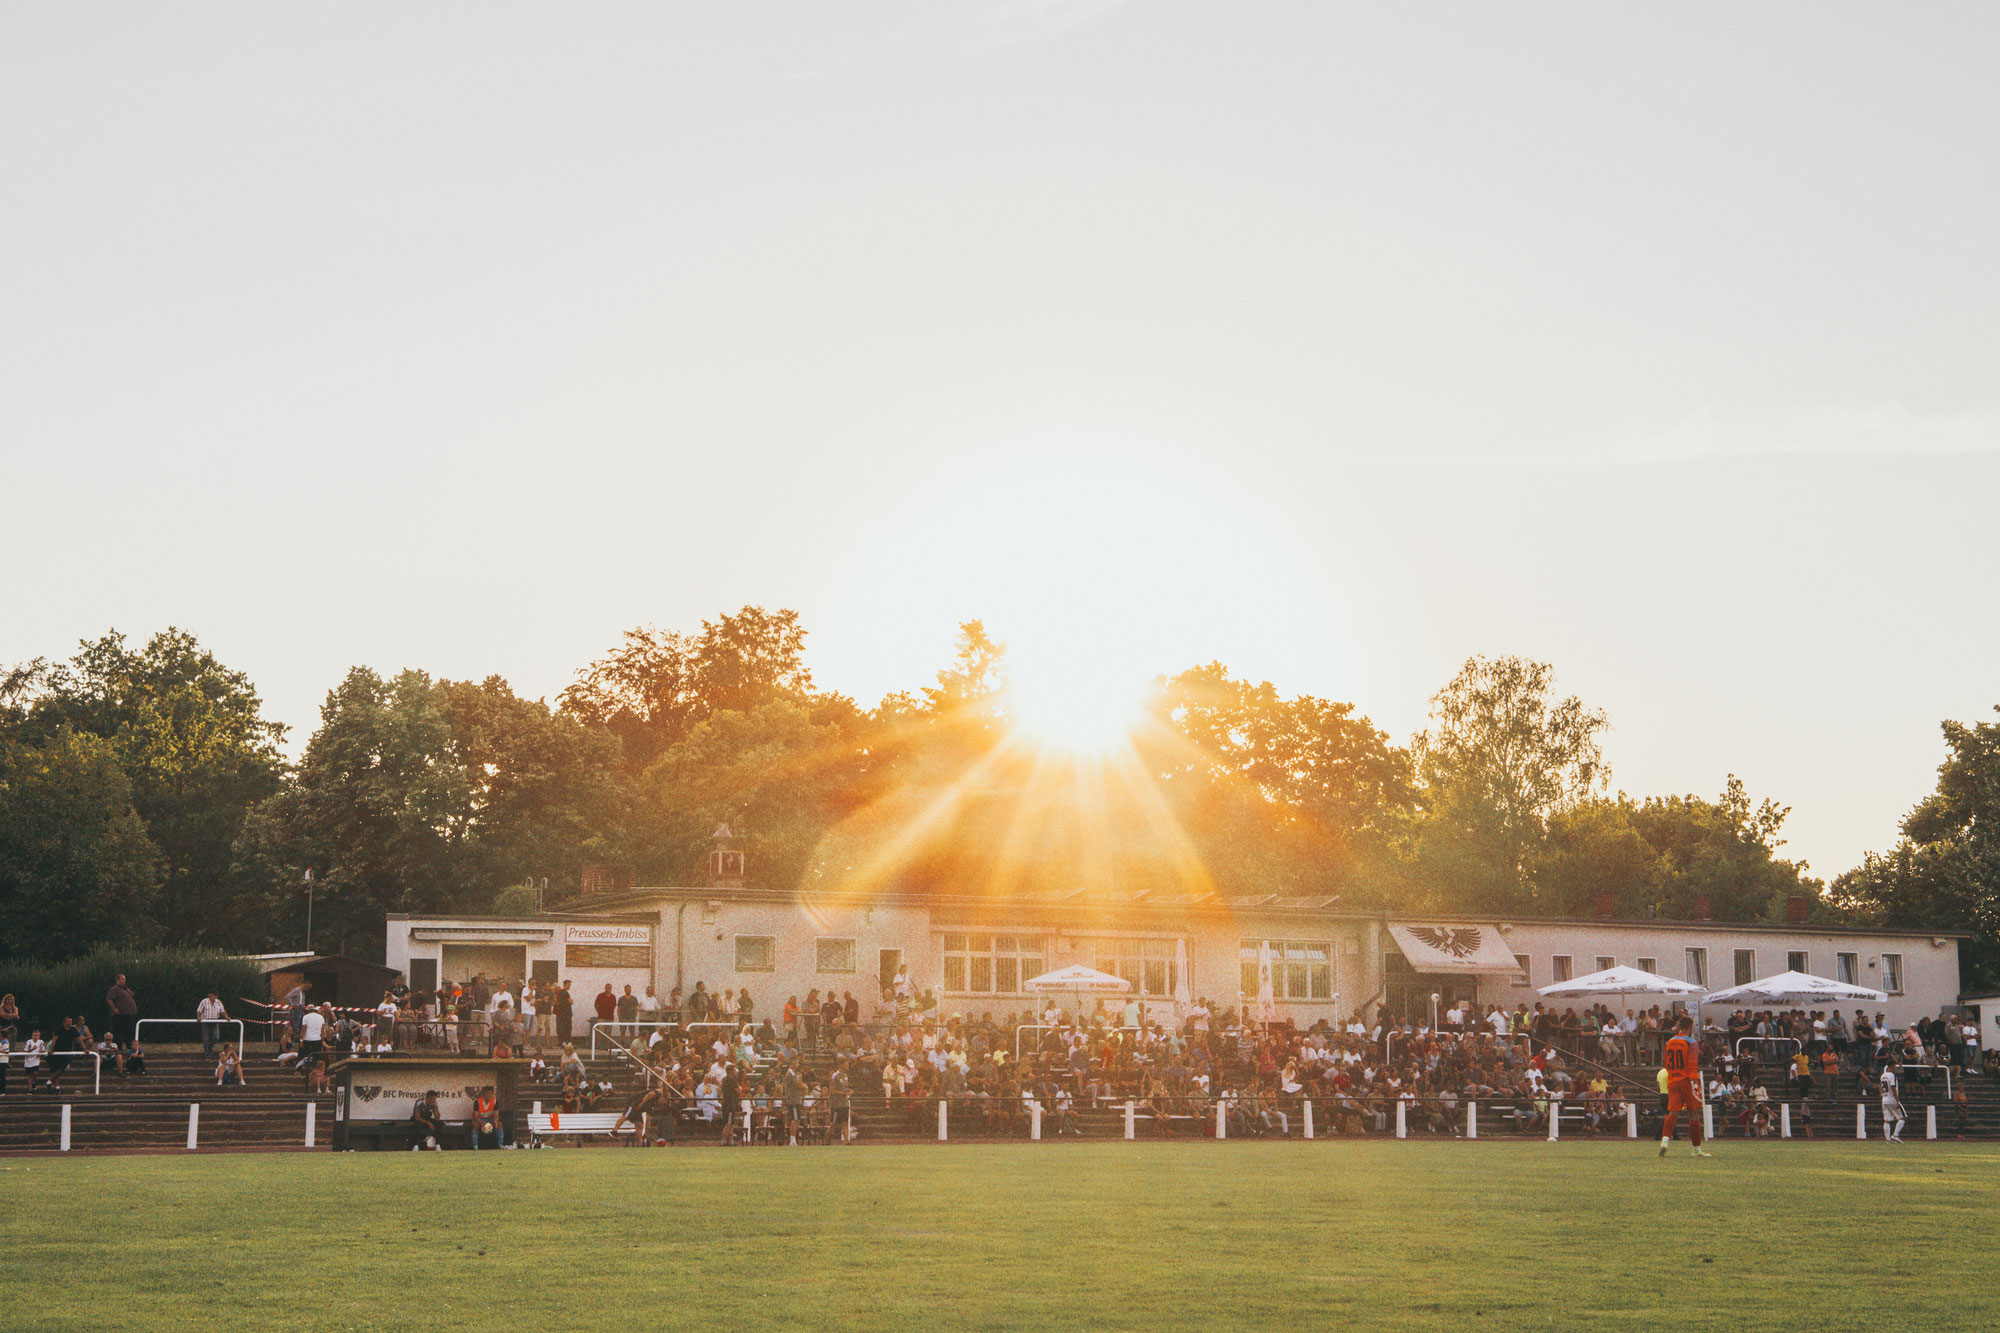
{"x":1944,"y":873}
{"x":1501,"y":758}
{"x":656,"y":685}
{"x":1667,"y":855}
{"x":196,"y":750}
{"x":76,"y":867}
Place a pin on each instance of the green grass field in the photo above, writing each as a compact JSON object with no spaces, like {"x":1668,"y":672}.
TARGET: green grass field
{"x":1101,"y":1235}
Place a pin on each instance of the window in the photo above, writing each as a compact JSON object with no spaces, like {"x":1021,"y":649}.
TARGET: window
{"x":1796,"y":961}
{"x":836,"y":956}
{"x":1697,"y":966}
{"x":1650,"y":965}
{"x":1746,"y":966}
{"x":1147,"y":964}
{"x":1605,"y":964}
{"x":1300,"y":969}
{"x":1847,"y":968}
{"x":990,"y":964}
{"x":1561,"y":967}
{"x":1892,"y":973}
{"x":756,"y":953}
{"x":1526,"y":977}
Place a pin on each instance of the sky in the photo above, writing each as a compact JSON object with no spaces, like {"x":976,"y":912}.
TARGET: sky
{"x":1334,"y":342}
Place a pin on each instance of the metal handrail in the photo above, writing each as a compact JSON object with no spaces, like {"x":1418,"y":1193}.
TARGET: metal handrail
{"x":240,"y":1042}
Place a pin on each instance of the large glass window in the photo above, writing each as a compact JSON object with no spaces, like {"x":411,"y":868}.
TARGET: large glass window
{"x":980,"y":964}
{"x":1561,"y":967}
{"x":1697,"y":966}
{"x":1892,"y":973}
{"x":835,"y":955}
{"x":1746,"y":966}
{"x":756,"y":953}
{"x":1848,"y":965}
{"x":1147,"y":964}
{"x":1795,"y":961}
{"x":1300,"y":969}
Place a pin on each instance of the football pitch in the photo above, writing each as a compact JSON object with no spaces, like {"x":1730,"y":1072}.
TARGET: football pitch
{"x":1828,"y":1235}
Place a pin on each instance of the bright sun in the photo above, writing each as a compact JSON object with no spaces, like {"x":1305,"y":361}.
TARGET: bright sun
{"x":1078,"y":708}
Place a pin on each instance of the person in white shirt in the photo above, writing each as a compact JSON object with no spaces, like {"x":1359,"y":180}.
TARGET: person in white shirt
{"x":312,"y":1027}
{"x":649,"y":1007}
{"x":385,"y":1023}
{"x":212,"y":1015}
{"x":31,"y":1057}
{"x":500,"y":997}
{"x":1892,"y":1107}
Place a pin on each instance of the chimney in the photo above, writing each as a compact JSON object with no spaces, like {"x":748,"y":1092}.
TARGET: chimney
{"x":1604,"y":905}
{"x":604,"y":878}
{"x":1798,"y":908}
{"x":1704,"y":909}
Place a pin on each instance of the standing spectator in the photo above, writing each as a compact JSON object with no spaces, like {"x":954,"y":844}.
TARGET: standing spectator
{"x":312,"y":1038}
{"x":124,"y":1008}
{"x":565,"y":1013}
{"x":31,"y":1057}
{"x":628,"y":1012}
{"x":649,"y":1009}
{"x":212,"y":1015}
{"x":10,"y":1018}
{"x":606,"y":1004}
{"x":850,"y":1011}
{"x":5,"y":1051}
{"x":531,"y":1003}
{"x":295,"y":1003}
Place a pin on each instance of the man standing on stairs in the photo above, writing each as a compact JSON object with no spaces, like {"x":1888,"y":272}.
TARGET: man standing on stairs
{"x":124,"y":1008}
{"x":212,"y":1015}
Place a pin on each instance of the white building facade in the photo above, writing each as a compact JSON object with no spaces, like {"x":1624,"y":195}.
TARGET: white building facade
{"x":975,"y":954}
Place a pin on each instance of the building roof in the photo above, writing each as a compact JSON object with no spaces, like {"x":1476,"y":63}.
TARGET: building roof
{"x":1154,"y":901}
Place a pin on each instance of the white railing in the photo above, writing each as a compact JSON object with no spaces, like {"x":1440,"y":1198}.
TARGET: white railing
{"x":595,"y":1028}
{"x":97,"y":1079}
{"x":219,"y":1022}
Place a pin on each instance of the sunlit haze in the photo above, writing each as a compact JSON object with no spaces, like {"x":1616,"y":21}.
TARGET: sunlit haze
{"x":1335,"y":343}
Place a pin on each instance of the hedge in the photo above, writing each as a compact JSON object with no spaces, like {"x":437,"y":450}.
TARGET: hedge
{"x":168,"y":984}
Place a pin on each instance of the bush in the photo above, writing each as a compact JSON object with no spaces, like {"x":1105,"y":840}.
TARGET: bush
{"x":168,"y":982}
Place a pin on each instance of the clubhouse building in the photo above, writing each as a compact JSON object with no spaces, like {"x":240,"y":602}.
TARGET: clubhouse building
{"x":974,"y":953}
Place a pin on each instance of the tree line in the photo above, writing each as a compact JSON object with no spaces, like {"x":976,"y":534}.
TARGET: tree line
{"x":145,"y":799}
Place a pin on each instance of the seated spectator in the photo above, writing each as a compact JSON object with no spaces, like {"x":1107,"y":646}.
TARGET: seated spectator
{"x":428,"y":1118}
{"x":228,"y":1068}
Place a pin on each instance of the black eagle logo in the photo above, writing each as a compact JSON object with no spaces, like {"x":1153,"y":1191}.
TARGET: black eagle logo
{"x":367,"y":1092}
{"x":1458,"y":941}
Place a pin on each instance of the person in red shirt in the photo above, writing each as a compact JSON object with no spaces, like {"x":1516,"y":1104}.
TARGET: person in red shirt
{"x":1682,"y":1059}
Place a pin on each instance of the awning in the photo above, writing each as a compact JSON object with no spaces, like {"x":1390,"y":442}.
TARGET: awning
{"x":1455,"y":948}
{"x":484,"y":934}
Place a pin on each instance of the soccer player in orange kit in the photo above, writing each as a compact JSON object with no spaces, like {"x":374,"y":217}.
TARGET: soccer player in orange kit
{"x":1683,"y":1062}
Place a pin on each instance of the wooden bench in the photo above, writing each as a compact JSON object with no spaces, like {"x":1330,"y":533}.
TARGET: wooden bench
{"x":583,"y":1124}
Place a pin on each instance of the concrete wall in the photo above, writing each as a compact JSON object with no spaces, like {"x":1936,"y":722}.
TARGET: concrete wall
{"x":1930,"y":969}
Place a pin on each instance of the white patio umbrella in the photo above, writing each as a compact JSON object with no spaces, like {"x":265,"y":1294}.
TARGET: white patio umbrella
{"x":1794,"y":988}
{"x":1622,"y":981}
{"x":1183,"y":995}
{"x":1076,"y":980}
{"x":1267,"y":1004}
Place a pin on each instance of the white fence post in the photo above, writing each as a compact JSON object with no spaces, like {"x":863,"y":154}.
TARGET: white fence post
{"x":1035,"y":1121}
{"x":1472,"y":1120}
{"x":1930,"y":1122}
{"x":1631,"y":1120}
{"x":1402,"y":1119}
{"x":1131,"y":1128}
{"x":1221,"y":1120}
{"x":1708,"y":1120}
{"x":194,"y":1121}
{"x":65,"y":1127}
{"x":1784,"y":1120}
{"x":312,"y":1121}
{"x":1861,"y":1120}
{"x":943,"y":1134}
{"x":537,"y":1108}
{"x":1555,"y":1118}
{"x":1308,"y":1107}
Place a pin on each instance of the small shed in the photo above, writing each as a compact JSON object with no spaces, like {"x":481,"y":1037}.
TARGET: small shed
{"x":336,"y":979}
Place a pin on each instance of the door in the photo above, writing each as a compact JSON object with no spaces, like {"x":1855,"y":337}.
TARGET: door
{"x":892,"y":962}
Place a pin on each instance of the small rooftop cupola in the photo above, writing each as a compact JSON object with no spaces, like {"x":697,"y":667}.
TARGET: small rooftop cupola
{"x":725,"y":863}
